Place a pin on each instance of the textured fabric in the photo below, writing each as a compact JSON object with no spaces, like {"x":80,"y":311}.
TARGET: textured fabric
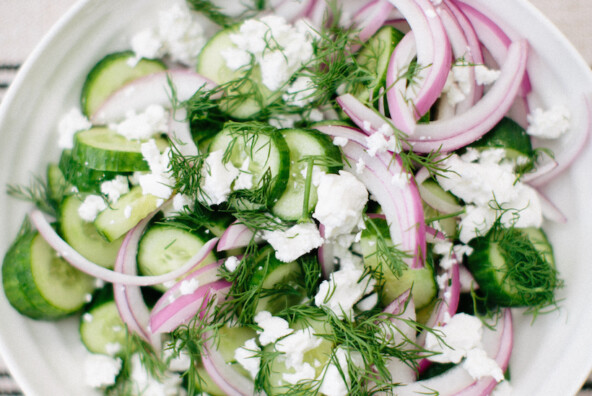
{"x":24,"y":22}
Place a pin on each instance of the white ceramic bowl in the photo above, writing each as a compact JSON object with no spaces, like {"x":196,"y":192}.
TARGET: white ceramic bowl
{"x":552,"y":356}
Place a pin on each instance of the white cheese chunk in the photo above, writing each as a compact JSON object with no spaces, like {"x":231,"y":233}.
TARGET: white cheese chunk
{"x":294,"y":242}
{"x":91,"y":207}
{"x":217,"y":178}
{"x":70,"y":123}
{"x":247,"y":356}
{"x":549,"y":124}
{"x":273,"y":327}
{"x":341,"y":201}
{"x":101,"y":370}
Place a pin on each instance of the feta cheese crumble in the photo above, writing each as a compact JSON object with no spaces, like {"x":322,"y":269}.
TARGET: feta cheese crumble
{"x":461,"y":334}
{"x":344,"y":289}
{"x":341,"y":201}
{"x":101,"y":370}
{"x":178,"y":34}
{"x":247,"y":357}
{"x":217,"y":178}
{"x":70,"y":123}
{"x":159,"y":181}
{"x":549,"y":124}
{"x":334,"y":383}
{"x":115,"y":188}
{"x":484,"y":181}
{"x":143,"y":125}
{"x":294,"y":242}
{"x":277,"y":47}
{"x":300,"y":93}
{"x":91,"y":207}
{"x":485,"y":76}
{"x":273,"y":327}
{"x":169,"y":384}
{"x":231,"y":263}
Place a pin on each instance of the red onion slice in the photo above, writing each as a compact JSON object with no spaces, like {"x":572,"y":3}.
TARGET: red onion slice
{"x":493,"y":38}
{"x":474,"y":47}
{"x":236,"y":236}
{"x":203,"y":275}
{"x":184,"y":308}
{"x":228,"y":380}
{"x":78,"y":261}
{"x":433,"y":52}
{"x":153,"y":89}
{"x":457,"y":381}
{"x":401,"y":204}
{"x":572,"y":143}
{"x":370,"y":18}
{"x":465,"y":128}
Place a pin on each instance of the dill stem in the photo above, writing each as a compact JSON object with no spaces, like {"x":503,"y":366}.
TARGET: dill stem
{"x":445,"y":216}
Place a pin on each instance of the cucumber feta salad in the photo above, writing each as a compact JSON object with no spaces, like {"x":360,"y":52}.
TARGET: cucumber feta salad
{"x":297,"y":198}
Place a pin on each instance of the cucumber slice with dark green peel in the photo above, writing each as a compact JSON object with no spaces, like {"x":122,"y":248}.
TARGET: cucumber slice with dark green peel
{"x":82,"y":177}
{"x":84,"y":237}
{"x":122,"y":216}
{"x":164,"y":248}
{"x":374,"y":58}
{"x":51,"y":287}
{"x":307,"y":147}
{"x":57,"y":186}
{"x":103,"y":149}
{"x":245,"y":93}
{"x":102,"y":330}
{"x":511,"y":137}
{"x":109,"y":74}
{"x":268,"y":156}
{"x":421,"y":281}
{"x":514,"y":268}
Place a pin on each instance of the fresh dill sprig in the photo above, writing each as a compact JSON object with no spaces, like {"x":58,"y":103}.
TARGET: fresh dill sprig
{"x":212,"y":12}
{"x":191,"y":340}
{"x":37,"y":192}
{"x":386,"y":253}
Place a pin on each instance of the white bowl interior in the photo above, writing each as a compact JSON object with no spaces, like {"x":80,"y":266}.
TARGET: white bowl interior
{"x":551,"y":355}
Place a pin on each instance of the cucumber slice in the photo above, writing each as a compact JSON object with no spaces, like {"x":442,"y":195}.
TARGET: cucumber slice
{"x":84,"y":237}
{"x":279,"y":283}
{"x":303,"y":143}
{"x":511,"y":137}
{"x":514,"y":267}
{"x":164,"y":248}
{"x":56,"y":183}
{"x":51,"y":287}
{"x":317,"y":357}
{"x":421,"y":281}
{"x":109,"y":74}
{"x":374,"y":58}
{"x":103,"y":149}
{"x":266,"y":151}
{"x":82,"y":177}
{"x":123,"y":215}
{"x":101,"y":326}
{"x":245,"y":94}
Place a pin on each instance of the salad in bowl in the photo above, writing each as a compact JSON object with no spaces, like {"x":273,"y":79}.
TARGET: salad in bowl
{"x":298,"y":197}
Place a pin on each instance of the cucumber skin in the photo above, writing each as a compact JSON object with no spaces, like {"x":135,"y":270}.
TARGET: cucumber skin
{"x":86,"y":153}
{"x":112,"y":223}
{"x":487,"y":265}
{"x":222,"y":140}
{"x":82,"y":177}
{"x":98,"y":87}
{"x":19,"y":253}
{"x":17,"y":266}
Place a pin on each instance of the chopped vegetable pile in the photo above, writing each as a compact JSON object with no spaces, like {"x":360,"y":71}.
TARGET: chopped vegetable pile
{"x":298,"y":198}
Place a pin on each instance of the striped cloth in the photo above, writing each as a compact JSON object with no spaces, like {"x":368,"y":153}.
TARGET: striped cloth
{"x":24,"y":22}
